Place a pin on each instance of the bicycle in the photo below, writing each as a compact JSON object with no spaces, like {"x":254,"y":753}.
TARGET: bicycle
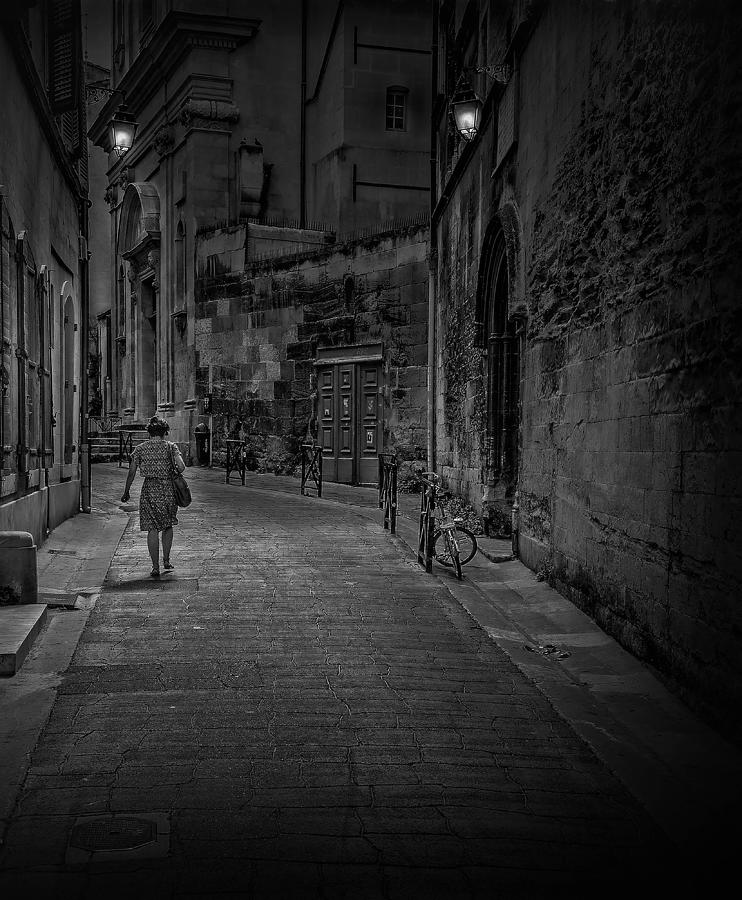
{"x":453,"y":544}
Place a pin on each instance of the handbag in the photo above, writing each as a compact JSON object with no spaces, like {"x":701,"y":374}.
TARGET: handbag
{"x":180,"y":485}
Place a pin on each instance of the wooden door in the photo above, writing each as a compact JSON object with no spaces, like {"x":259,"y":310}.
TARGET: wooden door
{"x":349,"y":421}
{"x":368,"y":432}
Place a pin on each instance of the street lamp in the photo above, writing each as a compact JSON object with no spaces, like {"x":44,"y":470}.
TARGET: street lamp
{"x":122,"y":129}
{"x":467,"y":111}
{"x":466,"y":106}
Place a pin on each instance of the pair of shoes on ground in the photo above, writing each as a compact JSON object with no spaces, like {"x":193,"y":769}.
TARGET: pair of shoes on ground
{"x":155,"y":573}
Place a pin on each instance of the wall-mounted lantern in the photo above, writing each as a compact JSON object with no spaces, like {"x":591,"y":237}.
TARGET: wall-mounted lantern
{"x":122,"y":127}
{"x":122,"y":130}
{"x":467,"y":110}
{"x":466,"y":106}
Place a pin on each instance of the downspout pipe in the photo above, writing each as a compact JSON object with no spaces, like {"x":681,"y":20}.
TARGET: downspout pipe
{"x":303,"y":121}
{"x":84,"y":355}
{"x":433,"y":252}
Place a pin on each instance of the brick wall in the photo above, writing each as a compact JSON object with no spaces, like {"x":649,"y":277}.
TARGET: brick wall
{"x":257,"y":332}
{"x":627,"y":182}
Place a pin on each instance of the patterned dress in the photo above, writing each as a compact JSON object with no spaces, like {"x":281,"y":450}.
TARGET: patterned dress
{"x":158,"y":508}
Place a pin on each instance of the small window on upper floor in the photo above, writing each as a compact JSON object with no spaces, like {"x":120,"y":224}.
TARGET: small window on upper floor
{"x":396,"y":108}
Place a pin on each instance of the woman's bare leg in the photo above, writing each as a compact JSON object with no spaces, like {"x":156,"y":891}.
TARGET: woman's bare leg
{"x":167,"y":543}
{"x":153,"y":545}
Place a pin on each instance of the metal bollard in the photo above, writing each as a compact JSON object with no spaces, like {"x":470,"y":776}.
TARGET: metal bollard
{"x":18,"y":581}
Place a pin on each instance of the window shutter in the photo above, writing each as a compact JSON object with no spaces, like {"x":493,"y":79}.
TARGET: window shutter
{"x":64,"y":55}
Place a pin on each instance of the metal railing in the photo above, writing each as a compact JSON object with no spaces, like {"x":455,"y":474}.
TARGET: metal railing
{"x":236,"y":458}
{"x":388,"y":490}
{"x":126,"y":444}
{"x":311,"y":467}
{"x":103,"y":424}
{"x":426,"y":532}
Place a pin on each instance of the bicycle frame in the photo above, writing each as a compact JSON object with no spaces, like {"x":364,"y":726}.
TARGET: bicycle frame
{"x":447,"y":525}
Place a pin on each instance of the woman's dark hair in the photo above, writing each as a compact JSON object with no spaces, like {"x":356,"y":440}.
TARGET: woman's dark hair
{"x":157,"y":427}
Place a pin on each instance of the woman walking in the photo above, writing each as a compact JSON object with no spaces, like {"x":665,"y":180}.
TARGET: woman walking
{"x":158,"y":508}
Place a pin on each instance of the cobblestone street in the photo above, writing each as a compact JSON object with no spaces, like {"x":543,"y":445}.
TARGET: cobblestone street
{"x":303,"y":712}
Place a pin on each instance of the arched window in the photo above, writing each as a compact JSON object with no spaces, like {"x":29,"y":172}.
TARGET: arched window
{"x":121,"y":302}
{"x":396,"y":108}
{"x":180,"y":280}
{"x":503,"y":371}
{"x":45,"y":436}
{"x":68,"y":352}
{"x":29,"y":399}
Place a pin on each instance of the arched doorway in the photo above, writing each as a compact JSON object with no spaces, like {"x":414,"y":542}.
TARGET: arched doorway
{"x":143,"y":381}
{"x":147,"y":362}
{"x":500,"y":338}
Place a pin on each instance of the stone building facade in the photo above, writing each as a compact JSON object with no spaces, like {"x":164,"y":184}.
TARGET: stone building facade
{"x":338,"y":333}
{"x":43,"y":265}
{"x":298,"y":120}
{"x":587,"y":319}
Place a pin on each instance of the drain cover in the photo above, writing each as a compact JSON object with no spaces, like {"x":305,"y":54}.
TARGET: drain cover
{"x":113,"y":837}
{"x":113,"y":833}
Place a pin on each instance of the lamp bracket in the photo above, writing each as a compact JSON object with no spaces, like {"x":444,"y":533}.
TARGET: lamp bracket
{"x":97,"y":90}
{"x":499,"y":73}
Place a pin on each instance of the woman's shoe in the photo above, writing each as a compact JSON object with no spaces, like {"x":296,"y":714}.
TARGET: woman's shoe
{"x":166,"y":564}
{"x":155,"y":573}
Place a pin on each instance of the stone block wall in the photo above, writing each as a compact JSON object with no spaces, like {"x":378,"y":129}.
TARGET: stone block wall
{"x":631,"y":408}
{"x":257,"y":332}
{"x":626,"y":181}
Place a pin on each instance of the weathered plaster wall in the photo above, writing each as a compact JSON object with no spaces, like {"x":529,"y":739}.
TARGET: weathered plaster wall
{"x":40,"y":203}
{"x":257,"y":332}
{"x":626,"y":178}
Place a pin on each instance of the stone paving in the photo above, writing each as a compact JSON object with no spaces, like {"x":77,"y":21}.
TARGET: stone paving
{"x":305,"y":713}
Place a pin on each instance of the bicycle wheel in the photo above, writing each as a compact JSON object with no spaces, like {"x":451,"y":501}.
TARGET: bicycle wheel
{"x":444,"y":552}
{"x":467,"y":546}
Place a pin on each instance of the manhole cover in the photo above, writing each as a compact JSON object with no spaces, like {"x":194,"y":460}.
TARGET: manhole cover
{"x":117,"y":833}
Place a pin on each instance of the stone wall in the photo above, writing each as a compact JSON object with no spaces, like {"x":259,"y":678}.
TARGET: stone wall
{"x":626,"y":181}
{"x":257,"y":332}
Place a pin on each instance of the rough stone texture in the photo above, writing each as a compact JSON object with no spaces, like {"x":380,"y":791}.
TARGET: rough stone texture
{"x":257,"y":332}
{"x":626,"y":180}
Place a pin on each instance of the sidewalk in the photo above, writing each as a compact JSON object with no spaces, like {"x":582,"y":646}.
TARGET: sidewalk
{"x":302,"y":707}
{"x":71,"y":567}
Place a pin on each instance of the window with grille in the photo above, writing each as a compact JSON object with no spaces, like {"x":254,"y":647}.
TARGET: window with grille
{"x":396,"y":109}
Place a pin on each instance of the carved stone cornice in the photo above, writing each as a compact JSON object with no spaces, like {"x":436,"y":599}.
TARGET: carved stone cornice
{"x":211,"y":114}
{"x":163,"y":140}
{"x":153,"y":261}
{"x":125,"y":178}
{"x":111,"y":195}
{"x":175,"y":37}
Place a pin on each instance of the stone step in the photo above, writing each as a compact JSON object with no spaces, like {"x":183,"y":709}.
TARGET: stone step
{"x":19,"y":626}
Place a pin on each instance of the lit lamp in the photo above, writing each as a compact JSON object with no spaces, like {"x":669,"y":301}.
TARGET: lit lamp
{"x":122,"y":130}
{"x":467,"y":111}
{"x":466,"y":105}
